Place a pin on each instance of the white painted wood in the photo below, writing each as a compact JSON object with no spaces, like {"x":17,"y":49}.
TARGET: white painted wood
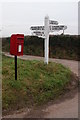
{"x":46,"y":32}
{"x":43,"y":31}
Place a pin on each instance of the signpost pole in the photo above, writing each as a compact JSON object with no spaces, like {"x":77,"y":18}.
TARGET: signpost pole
{"x":15,"y":67}
{"x":63,"y":31}
{"x":46,"y":32}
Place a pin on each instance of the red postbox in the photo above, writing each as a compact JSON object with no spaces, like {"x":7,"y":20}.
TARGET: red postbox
{"x":16,"y":44}
{"x":16,"y":48}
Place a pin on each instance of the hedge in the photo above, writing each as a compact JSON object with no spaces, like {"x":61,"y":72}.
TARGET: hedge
{"x":61,"y":46}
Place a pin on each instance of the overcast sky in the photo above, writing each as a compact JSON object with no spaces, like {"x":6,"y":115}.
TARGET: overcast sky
{"x":18,"y":17}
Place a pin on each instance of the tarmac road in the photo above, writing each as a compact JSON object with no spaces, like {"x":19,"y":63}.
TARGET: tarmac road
{"x":66,"y":107}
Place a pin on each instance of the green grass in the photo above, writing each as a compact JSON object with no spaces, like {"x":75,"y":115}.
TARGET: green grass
{"x":37,"y":82}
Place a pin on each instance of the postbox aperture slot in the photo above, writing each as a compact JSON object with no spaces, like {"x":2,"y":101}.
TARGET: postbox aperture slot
{"x":20,"y":38}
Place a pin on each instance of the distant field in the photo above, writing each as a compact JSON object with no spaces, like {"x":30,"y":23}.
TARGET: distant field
{"x":63,"y":47}
{"x":37,"y":83}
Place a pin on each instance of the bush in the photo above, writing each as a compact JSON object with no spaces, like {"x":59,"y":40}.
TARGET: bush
{"x":65,"y":47}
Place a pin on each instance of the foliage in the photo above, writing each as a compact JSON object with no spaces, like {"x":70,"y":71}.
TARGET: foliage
{"x":66,"y":47}
{"x":37,"y":82}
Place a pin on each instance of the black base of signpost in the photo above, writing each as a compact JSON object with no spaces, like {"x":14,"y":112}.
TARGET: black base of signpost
{"x":15,"y":67}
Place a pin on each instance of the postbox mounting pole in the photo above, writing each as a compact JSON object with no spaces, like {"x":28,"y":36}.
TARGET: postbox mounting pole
{"x":15,"y":67}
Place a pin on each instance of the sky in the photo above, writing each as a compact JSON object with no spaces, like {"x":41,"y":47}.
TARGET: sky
{"x":19,"y":16}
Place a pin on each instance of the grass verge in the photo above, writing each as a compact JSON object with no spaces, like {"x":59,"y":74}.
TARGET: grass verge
{"x":37,"y":83}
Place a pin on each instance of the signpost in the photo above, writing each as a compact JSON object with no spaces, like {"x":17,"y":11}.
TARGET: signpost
{"x":52,"y":28}
{"x":43,"y":31}
{"x":53,"y":22}
{"x":37,"y":28}
{"x":46,"y":33}
{"x":38,"y":33}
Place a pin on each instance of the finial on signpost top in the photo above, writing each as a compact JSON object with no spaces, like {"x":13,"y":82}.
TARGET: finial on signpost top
{"x":46,"y":16}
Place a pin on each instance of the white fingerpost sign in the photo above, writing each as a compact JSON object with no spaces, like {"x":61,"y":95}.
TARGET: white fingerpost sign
{"x":43,"y":31}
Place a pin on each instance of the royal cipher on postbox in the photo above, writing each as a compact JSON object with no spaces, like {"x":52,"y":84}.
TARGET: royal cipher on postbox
{"x":16,"y":44}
